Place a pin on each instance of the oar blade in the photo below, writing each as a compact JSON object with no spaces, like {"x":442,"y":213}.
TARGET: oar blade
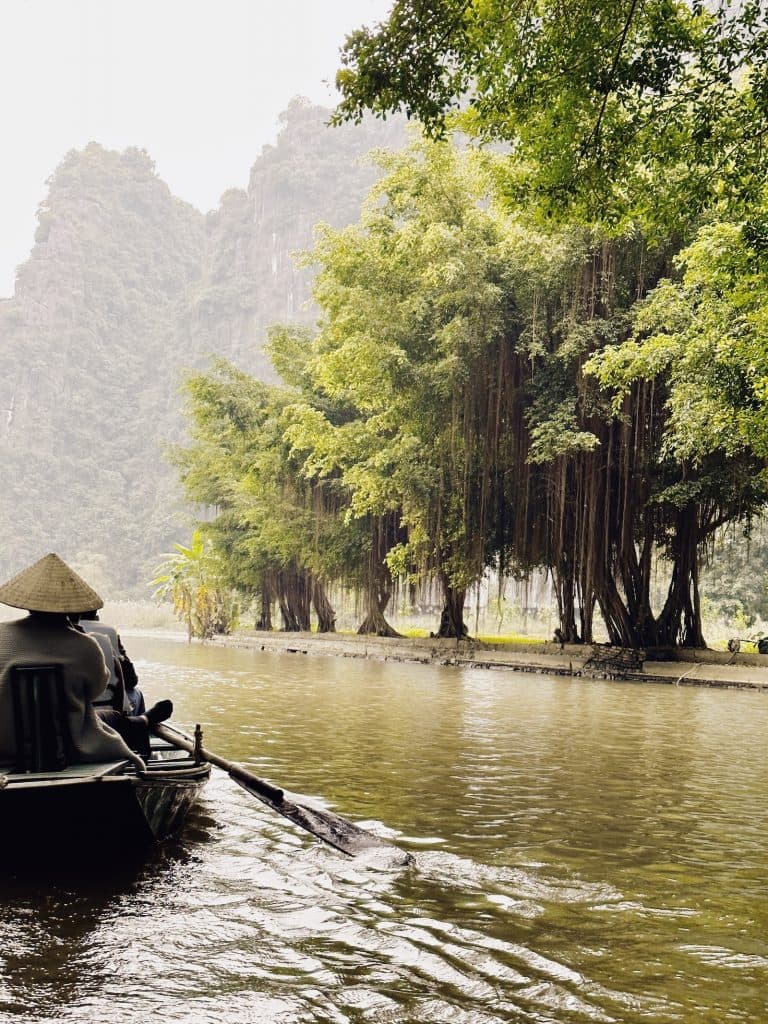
{"x":330,"y":827}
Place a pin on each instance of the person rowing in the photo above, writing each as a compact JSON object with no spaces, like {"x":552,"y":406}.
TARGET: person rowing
{"x":50,"y":591}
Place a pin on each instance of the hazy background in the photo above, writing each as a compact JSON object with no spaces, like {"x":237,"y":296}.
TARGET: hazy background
{"x":163,"y":164}
{"x":197,"y":84}
{"x":159,"y":174}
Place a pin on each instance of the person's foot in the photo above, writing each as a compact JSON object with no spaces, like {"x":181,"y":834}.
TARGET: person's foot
{"x":159,"y":712}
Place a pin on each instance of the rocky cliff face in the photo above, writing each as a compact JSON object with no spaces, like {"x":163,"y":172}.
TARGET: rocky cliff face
{"x":313,"y":173}
{"x":125,"y":287}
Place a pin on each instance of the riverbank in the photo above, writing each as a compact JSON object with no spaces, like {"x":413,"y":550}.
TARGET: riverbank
{"x":719,"y":669}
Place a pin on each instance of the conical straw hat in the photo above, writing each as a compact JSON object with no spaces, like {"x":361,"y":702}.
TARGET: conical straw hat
{"x":49,"y":586}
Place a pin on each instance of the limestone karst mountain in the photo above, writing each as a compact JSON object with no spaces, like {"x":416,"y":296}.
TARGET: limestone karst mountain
{"x":125,"y":287}
{"x":313,"y":173}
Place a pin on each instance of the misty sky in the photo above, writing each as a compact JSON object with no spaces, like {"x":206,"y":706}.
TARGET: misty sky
{"x":198,"y":84}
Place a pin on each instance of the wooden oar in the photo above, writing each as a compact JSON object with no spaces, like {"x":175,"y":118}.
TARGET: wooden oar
{"x":330,"y":827}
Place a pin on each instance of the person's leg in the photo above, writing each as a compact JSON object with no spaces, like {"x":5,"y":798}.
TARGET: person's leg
{"x":135,"y":731}
{"x":159,"y":712}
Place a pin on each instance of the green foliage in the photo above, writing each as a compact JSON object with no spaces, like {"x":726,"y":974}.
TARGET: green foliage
{"x":485,"y":393}
{"x":192,"y":579}
{"x":558,"y":435}
{"x":653,"y":110}
{"x":707,"y":334}
{"x":418,"y":299}
{"x":269,"y":518}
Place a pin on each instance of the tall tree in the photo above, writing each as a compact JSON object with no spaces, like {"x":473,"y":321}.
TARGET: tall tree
{"x":418,"y":337}
{"x":281,"y":533}
{"x":700,"y":344}
{"x":361,"y":542}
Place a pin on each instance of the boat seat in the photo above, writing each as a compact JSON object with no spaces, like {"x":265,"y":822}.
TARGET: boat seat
{"x":43,"y":740}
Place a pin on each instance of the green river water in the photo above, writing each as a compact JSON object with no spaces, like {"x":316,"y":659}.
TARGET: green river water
{"x":583,"y":851}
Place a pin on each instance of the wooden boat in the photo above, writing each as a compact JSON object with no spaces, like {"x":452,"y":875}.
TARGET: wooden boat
{"x":102,"y":809}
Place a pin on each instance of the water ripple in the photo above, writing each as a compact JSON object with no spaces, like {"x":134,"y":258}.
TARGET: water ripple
{"x":580,"y":855}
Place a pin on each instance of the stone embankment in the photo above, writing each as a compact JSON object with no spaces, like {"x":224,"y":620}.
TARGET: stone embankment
{"x":678,"y":667}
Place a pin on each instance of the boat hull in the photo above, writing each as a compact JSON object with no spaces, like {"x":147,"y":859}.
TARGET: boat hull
{"x":165,"y":799}
{"x":100,"y":816}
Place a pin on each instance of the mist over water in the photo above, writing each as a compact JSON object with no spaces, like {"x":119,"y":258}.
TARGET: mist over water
{"x":583,"y":851}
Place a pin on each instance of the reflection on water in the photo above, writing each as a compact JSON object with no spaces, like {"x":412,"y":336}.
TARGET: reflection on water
{"x":583,"y":852}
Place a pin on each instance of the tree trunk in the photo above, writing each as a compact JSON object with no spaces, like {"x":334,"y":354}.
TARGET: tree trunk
{"x":634,"y":568}
{"x":587,"y":615}
{"x":293,"y":594}
{"x":326,"y":617}
{"x":374,"y":623}
{"x":378,"y":590}
{"x":452,"y":616}
{"x":264,"y":620}
{"x":565,"y":592}
{"x":288,"y":622}
{"x":615,"y":615}
{"x":680,"y":619}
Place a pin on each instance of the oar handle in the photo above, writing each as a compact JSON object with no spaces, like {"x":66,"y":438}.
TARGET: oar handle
{"x":236,"y":771}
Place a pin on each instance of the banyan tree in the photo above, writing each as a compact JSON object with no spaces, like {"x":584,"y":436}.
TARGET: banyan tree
{"x":469,"y":401}
{"x":461,"y":339}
